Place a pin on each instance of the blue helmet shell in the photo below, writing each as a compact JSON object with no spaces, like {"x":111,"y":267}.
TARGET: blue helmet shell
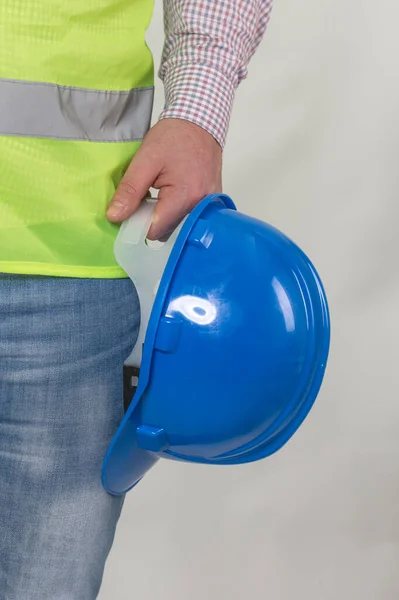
{"x":235,"y":351}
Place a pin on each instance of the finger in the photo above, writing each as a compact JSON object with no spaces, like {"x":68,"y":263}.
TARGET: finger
{"x":168,"y":214}
{"x":139,"y":177}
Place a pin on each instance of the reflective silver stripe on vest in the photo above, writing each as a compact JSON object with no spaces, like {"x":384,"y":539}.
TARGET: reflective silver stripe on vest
{"x":43,"y":110}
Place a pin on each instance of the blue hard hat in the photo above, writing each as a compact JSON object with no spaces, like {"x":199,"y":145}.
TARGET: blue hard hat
{"x":234,"y":353}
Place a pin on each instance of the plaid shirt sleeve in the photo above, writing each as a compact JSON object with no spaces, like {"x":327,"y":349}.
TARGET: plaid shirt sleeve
{"x":208,"y":45}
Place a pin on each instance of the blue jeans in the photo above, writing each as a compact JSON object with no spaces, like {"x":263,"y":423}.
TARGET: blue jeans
{"x":63,"y":343}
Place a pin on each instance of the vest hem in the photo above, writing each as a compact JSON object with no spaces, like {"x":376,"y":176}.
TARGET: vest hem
{"x":79,"y":272}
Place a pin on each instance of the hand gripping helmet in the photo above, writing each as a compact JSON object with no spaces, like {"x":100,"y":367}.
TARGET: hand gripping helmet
{"x":236,"y":334}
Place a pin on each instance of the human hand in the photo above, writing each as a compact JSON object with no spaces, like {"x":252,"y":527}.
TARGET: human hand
{"x":182,"y":161}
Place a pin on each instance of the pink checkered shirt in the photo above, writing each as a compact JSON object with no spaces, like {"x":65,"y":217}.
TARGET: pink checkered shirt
{"x":208,"y":45}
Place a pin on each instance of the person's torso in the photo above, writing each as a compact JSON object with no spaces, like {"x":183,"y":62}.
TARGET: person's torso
{"x":76,"y":89}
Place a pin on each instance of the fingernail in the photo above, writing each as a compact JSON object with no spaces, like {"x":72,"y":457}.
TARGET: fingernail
{"x":115,"y":209}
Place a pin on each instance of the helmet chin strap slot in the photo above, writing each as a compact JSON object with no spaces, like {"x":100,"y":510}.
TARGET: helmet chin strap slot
{"x":144,"y":261}
{"x":130,"y":381}
{"x":154,"y":244}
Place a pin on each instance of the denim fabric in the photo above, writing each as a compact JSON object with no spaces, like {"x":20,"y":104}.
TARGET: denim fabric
{"x":63,"y":343}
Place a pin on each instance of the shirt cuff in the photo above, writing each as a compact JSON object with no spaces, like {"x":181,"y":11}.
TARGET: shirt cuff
{"x":200,"y":94}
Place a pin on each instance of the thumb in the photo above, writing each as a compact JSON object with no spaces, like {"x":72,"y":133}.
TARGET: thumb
{"x":139,"y":177}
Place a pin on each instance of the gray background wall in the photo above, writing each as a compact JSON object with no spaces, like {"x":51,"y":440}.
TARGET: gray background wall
{"x":313,"y":149}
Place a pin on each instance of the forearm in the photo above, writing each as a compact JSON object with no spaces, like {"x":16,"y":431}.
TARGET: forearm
{"x":208,"y":46}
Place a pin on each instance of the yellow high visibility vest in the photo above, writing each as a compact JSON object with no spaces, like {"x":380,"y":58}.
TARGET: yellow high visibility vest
{"x":76,"y":95}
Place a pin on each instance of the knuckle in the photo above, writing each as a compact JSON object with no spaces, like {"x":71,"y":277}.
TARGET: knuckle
{"x":128,"y":187}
